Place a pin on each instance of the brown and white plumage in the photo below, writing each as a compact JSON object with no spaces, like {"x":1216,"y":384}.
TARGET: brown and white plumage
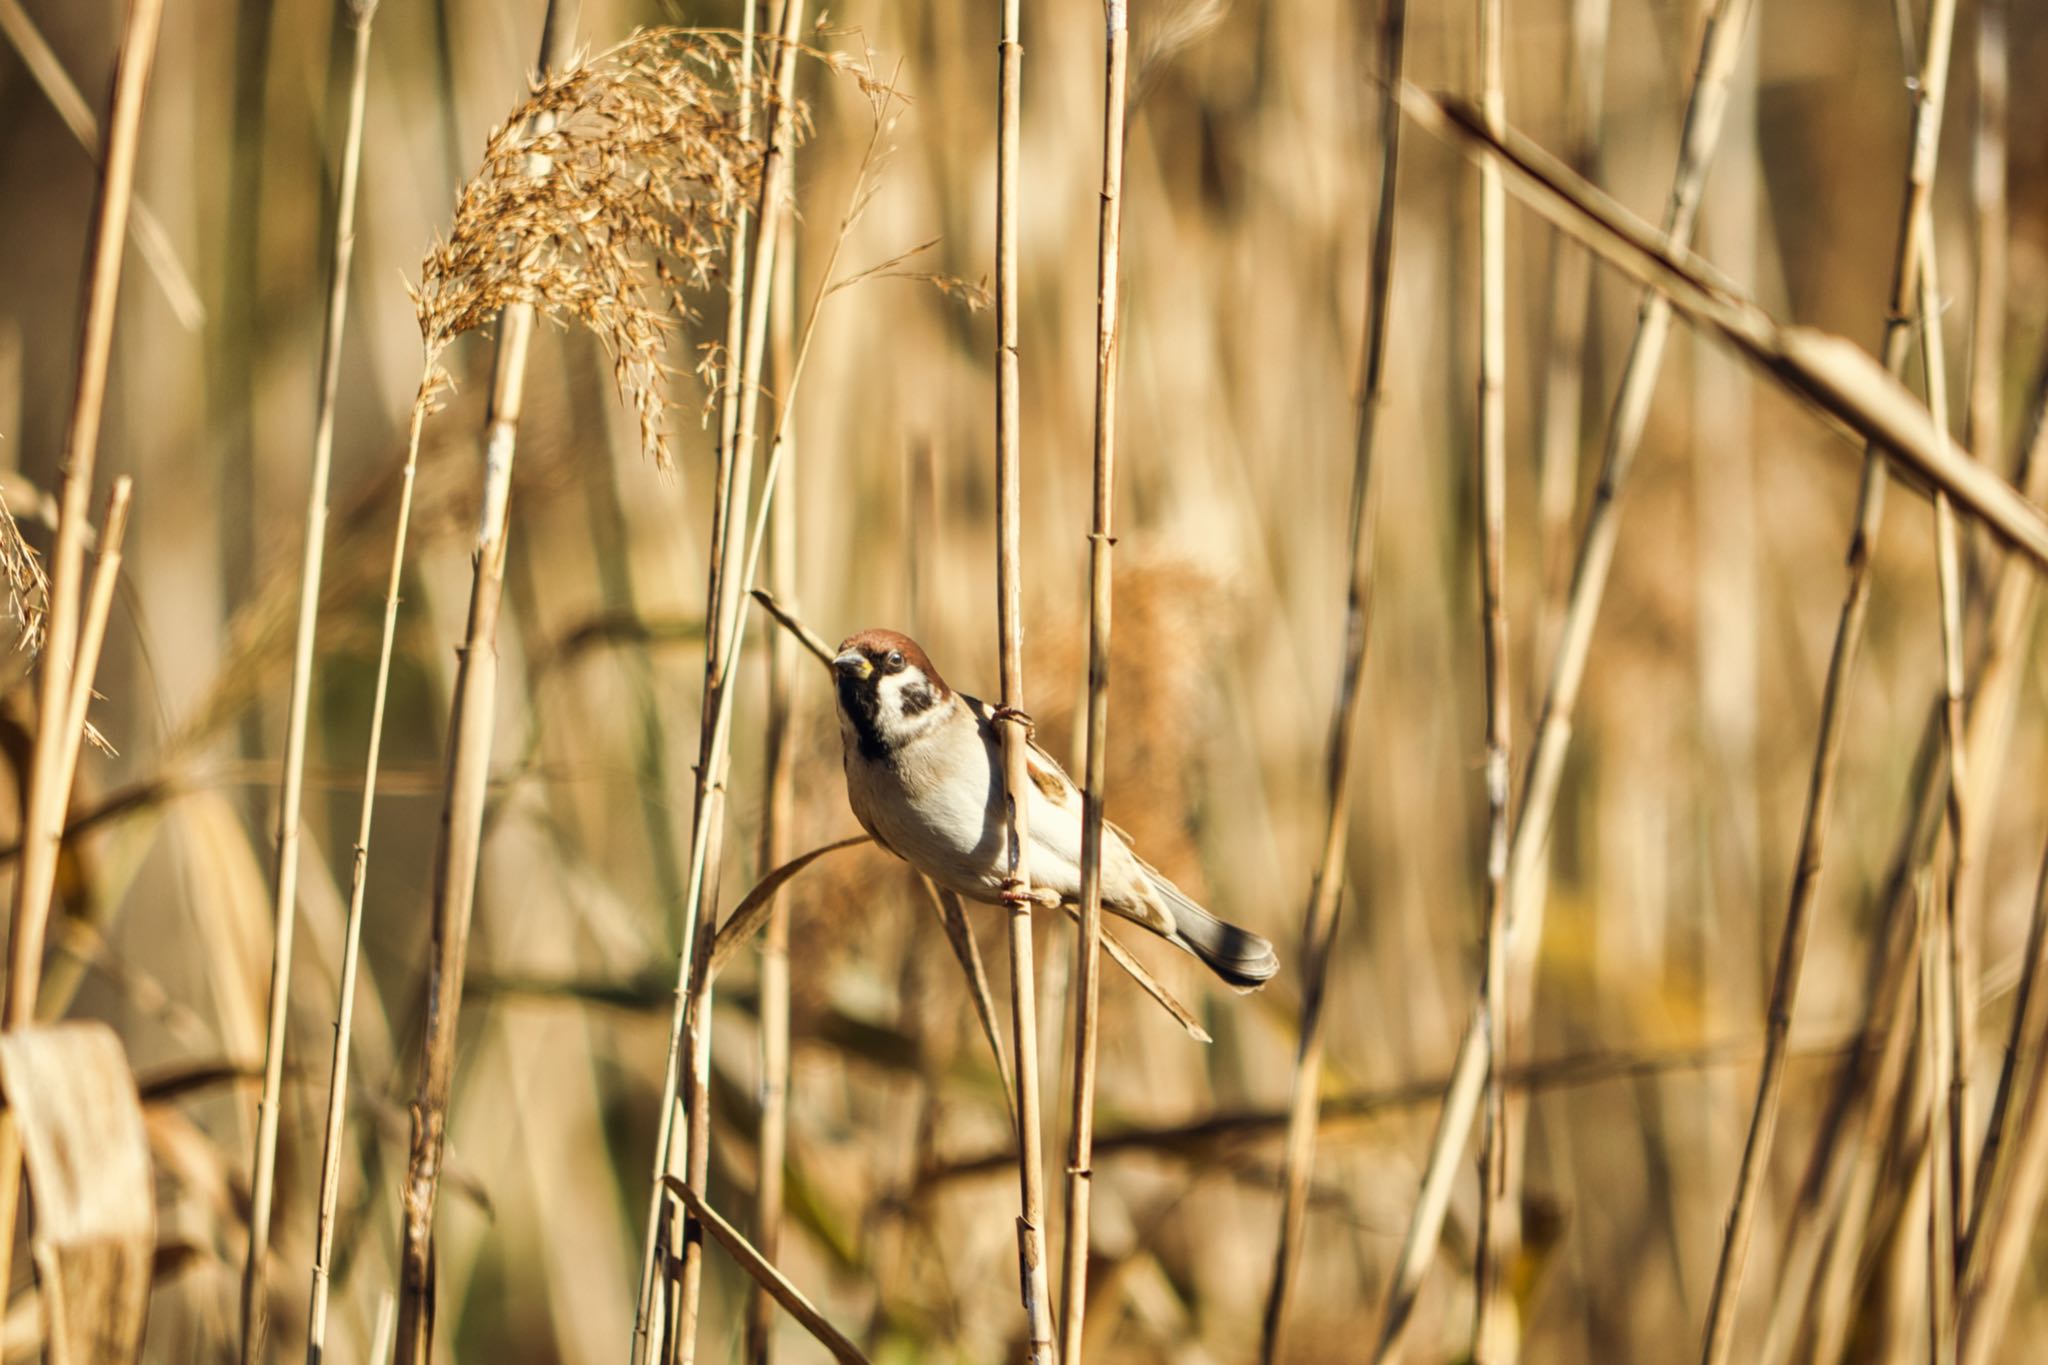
{"x":924,"y":777}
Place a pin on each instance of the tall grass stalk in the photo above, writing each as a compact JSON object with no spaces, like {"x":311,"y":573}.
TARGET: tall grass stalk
{"x":1717,"y":1339}
{"x":1101,"y":541}
{"x":724,"y":609}
{"x":1493,"y":1332}
{"x":1984,"y":419}
{"x":882,"y":97}
{"x":777,"y":817}
{"x":352,"y":932}
{"x":263,"y":1178}
{"x":459,"y":849}
{"x":1720,"y":50}
{"x":1320,"y":916}
{"x":55,"y":753}
{"x":1032,"y":1271}
{"x":1956,"y":969}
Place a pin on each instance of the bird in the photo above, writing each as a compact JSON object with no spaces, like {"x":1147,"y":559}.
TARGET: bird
{"x":924,"y":775}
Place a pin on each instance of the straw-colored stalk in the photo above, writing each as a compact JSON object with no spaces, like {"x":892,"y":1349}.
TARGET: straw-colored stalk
{"x":882,"y":97}
{"x":460,"y":846}
{"x":352,"y":933}
{"x":767,"y":1277}
{"x":1016,"y":728}
{"x":1717,"y":1339}
{"x":263,"y":1179}
{"x":777,"y":815}
{"x":1433,"y":1197}
{"x":1720,"y":48}
{"x":1810,"y":1228}
{"x":55,"y":754}
{"x":1319,"y":917}
{"x":714,"y":759}
{"x":1088,"y":940}
{"x":1935,"y":1021}
{"x":1956,"y":968}
{"x":1493,"y":1332}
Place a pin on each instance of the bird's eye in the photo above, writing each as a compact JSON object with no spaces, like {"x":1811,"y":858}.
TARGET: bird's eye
{"x":895,"y":661}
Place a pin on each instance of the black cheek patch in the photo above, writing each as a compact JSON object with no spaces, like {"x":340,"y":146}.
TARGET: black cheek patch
{"x":918,"y":699}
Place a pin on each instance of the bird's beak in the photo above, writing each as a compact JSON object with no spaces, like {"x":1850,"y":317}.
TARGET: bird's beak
{"x":852,"y":664}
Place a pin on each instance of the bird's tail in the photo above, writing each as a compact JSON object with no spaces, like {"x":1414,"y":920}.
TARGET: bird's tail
{"x":1242,"y":958}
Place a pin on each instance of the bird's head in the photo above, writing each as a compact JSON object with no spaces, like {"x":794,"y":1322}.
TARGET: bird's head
{"x":888,"y":690}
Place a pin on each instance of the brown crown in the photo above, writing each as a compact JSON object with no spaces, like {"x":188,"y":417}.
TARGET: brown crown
{"x":876,"y":644}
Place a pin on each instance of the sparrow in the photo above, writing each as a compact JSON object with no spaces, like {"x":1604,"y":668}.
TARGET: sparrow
{"x":924,"y":775}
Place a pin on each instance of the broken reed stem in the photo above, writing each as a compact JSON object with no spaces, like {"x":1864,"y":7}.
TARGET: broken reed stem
{"x":766,"y":1277}
{"x":1956,"y":992}
{"x":1720,"y":49}
{"x":777,"y":817}
{"x":1319,"y":917}
{"x":1497,"y":1235}
{"x":263,"y":1178}
{"x":734,"y":630}
{"x":460,"y":845}
{"x":1032,"y":1271}
{"x":1101,"y":541}
{"x":55,"y":753}
{"x":352,"y":934}
{"x":1717,"y":1339}
{"x":714,"y":759}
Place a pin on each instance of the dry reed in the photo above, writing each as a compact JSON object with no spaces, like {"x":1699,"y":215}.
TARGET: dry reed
{"x":1717,"y":1338}
{"x":263,"y":1176}
{"x":1494,"y":1334}
{"x":1087,"y":979}
{"x":1032,"y":1271}
{"x":1319,"y":917}
{"x":64,"y":669}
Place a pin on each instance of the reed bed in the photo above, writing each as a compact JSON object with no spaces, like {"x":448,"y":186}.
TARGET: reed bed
{"x":1703,"y":1020}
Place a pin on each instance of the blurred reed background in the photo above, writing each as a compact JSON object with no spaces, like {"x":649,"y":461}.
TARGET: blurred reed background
{"x":1248,"y":208}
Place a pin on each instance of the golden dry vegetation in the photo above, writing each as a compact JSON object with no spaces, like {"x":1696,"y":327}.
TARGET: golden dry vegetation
{"x":1678,"y":533}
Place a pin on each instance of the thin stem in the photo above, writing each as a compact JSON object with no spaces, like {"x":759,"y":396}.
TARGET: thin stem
{"x":460,"y":846}
{"x":1031,"y":1267}
{"x":1492,"y":1332}
{"x":734,"y":631}
{"x":56,"y":747}
{"x":1718,"y":1337}
{"x":1720,"y":49}
{"x":1101,"y":540}
{"x":1320,"y":916}
{"x":777,"y":817}
{"x":1956,"y":992}
{"x":352,"y":933}
{"x":769,"y":1279}
{"x":714,"y":759}
{"x":1934,"y":1015}
{"x":263,"y":1179}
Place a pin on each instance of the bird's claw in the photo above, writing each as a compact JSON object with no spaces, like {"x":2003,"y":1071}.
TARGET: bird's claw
{"x":1014,"y":893}
{"x":1003,"y":713}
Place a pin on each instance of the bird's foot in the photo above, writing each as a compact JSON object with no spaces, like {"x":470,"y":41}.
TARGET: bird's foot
{"x":1003,"y":713}
{"x":1014,"y":893}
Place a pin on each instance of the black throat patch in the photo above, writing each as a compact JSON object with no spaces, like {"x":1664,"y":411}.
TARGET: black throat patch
{"x":861,"y":703}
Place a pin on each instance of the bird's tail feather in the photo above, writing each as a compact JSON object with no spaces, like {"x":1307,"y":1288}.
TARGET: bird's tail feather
{"x":1242,"y":958}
